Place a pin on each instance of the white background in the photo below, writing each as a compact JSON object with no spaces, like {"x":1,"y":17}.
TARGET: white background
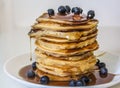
{"x":16,"y":17}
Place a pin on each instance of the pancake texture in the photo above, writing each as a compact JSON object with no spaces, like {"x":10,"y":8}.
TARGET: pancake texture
{"x":64,"y":46}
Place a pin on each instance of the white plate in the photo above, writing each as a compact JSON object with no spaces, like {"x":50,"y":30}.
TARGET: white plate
{"x":13,"y":65}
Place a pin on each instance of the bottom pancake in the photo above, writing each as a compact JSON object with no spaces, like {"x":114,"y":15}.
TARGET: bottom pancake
{"x":59,"y":78}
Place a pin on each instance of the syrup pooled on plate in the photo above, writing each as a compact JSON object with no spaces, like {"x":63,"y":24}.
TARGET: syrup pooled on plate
{"x":95,"y":78}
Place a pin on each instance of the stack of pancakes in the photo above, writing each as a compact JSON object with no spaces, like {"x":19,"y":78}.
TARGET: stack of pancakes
{"x":64,"y":46}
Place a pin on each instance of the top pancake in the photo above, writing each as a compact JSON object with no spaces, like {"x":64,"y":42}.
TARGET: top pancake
{"x":64,"y":23}
{"x":66,"y":19}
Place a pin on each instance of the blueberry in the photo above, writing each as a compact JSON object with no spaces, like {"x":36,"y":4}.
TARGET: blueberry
{"x":80,"y":83}
{"x":34,"y":66}
{"x":62,"y":10}
{"x":72,"y":83}
{"x":73,"y":9}
{"x":101,"y":64}
{"x":67,"y":8}
{"x":77,"y":10}
{"x":50,"y":12}
{"x":85,"y":79}
{"x":44,"y":80}
{"x":103,"y":71}
{"x":90,"y":14}
{"x":30,"y":74}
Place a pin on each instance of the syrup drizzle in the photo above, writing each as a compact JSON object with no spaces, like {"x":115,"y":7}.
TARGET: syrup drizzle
{"x":102,"y":54}
{"x":30,"y":49}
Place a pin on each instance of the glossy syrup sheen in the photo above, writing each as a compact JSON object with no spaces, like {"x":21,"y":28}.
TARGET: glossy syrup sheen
{"x":95,"y":78}
{"x":65,"y":17}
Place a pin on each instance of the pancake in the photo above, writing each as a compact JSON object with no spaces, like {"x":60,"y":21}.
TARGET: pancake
{"x":61,"y":40}
{"x":58,"y":27}
{"x":66,"y":68}
{"x":59,"y":78}
{"x":75,"y":35}
{"x":39,"y":54}
{"x":68,"y":52}
{"x":58,"y":46}
{"x":63,"y":20}
{"x":62,"y":62}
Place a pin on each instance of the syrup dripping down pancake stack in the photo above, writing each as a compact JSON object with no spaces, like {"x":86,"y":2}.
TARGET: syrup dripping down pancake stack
{"x":65,"y":44}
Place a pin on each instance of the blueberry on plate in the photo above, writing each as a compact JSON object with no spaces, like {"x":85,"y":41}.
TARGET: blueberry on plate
{"x":72,"y":83}
{"x":103,"y":71}
{"x":80,"y":83}
{"x":34,"y":66}
{"x":50,"y":12}
{"x":30,"y":74}
{"x":101,"y":64}
{"x":90,"y":14}
{"x":85,"y":79}
{"x":67,"y":8}
{"x":44,"y":80}
{"x":62,"y":10}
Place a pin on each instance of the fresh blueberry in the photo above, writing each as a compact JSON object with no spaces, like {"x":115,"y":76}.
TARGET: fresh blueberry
{"x":30,"y":74}
{"x":44,"y":80}
{"x":80,"y":83}
{"x":50,"y":12}
{"x":77,"y":10}
{"x":34,"y":66}
{"x":90,"y":14}
{"x":103,"y":71}
{"x":73,"y":9}
{"x":101,"y":64}
{"x":72,"y":83}
{"x":85,"y":79}
{"x":62,"y":10}
{"x":67,"y":8}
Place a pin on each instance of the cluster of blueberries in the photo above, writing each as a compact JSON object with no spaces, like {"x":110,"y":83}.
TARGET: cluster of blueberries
{"x":103,"y":71}
{"x":63,"y":10}
{"x":31,"y":74}
{"x":80,"y":82}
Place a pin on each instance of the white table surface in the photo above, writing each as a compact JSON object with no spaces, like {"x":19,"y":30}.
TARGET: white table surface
{"x":15,"y":41}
